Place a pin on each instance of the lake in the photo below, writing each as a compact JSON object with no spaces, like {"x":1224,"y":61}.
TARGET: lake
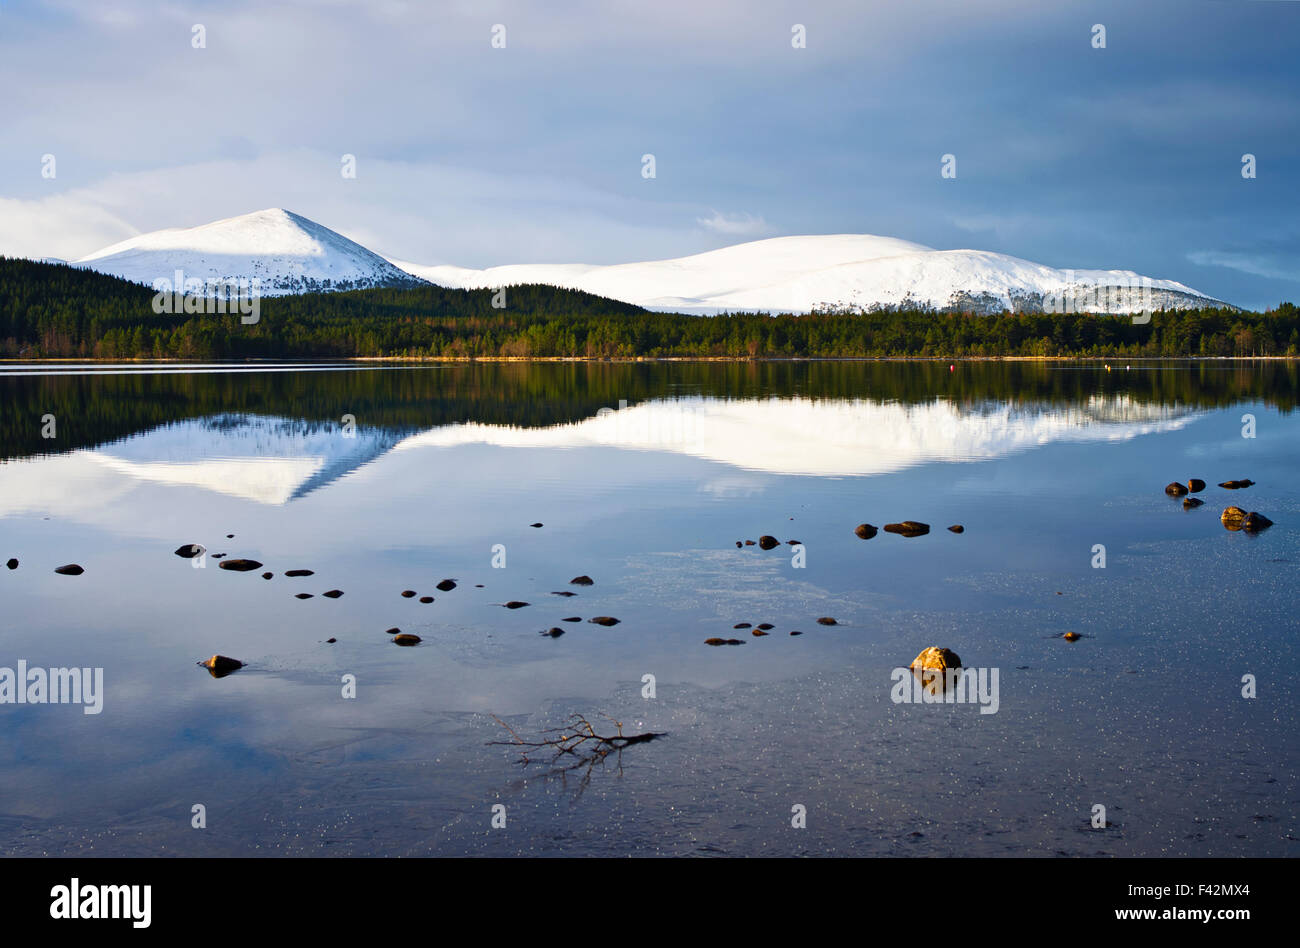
{"x":644,"y":477}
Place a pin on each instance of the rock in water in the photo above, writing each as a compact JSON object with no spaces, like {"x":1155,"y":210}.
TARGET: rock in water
{"x":766,"y":542}
{"x":240,"y":566}
{"x":267,"y":575}
{"x":604,"y":620}
{"x":932,"y":666}
{"x":189,"y":551}
{"x":765,"y":626}
{"x":1237,"y":485}
{"x":554,"y":633}
{"x":535,"y":525}
{"x":865,"y":531}
{"x":717,"y":641}
{"x":332,"y":594}
{"x":302,"y":595}
{"x":1175,"y":489}
{"x":393,"y":632}
{"x":72,"y":569}
{"x":12,"y":562}
{"x":957,"y":528}
{"x":406,"y":638}
{"x":758,"y":632}
{"x":1254,"y":522}
{"x":565,"y":593}
{"x":826,"y":620}
{"x":572,"y":619}
{"x":1232,"y":517}
{"x":749,"y":543}
{"x":741,"y":625}
{"x":908,"y":528}
{"x":1071,"y":636}
{"x":408,"y":593}
{"x":426,"y":599}
{"x":582,"y":581}
{"x":1195,"y":485}
{"x":515,"y":604}
{"x":219,"y":666}
{"x":1191,"y":503}
{"x":299,"y":572}
{"x":447,"y":585}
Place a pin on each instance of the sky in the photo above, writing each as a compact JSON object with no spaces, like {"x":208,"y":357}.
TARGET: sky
{"x":1128,"y":156}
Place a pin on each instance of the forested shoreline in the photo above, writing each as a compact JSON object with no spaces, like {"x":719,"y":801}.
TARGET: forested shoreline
{"x":54,"y":311}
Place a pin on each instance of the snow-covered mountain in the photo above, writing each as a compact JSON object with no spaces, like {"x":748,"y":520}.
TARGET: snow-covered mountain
{"x":288,"y":253}
{"x":853,"y":272}
{"x":283,"y":251}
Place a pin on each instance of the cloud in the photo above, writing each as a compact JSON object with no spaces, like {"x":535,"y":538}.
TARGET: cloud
{"x":1275,"y":266}
{"x":735,"y":225}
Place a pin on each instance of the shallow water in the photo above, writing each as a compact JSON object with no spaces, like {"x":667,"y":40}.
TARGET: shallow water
{"x":644,"y":477}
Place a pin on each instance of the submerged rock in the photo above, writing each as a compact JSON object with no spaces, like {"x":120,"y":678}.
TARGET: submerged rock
{"x":332,"y":594}
{"x":758,"y":632}
{"x":535,"y":524}
{"x":826,"y":620}
{"x":766,"y":625}
{"x":716,"y":641}
{"x":514,"y":604}
{"x":406,"y":638}
{"x":267,"y":575}
{"x":766,"y":542}
{"x":582,"y":581}
{"x":408,"y":593}
{"x":72,"y":569}
{"x":865,"y":531}
{"x":219,"y":666}
{"x":1195,"y":485}
{"x":393,"y":632}
{"x":1191,"y":503}
{"x":240,"y":566}
{"x":739,"y":544}
{"x":749,"y":543}
{"x":302,"y":595}
{"x":604,"y":620}
{"x":447,"y":585}
{"x":565,"y":593}
{"x":741,"y":625}
{"x":908,"y":528}
{"x":572,"y":619}
{"x":1175,"y":489}
{"x":189,"y":550}
{"x":554,"y":633}
{"x":956,"y":528}
{"x":1071,"y":636}
{"x":931,"y":666}
{"x":1254,"y":522}
{"x":1237,"y":485}
{"x":12,"y":562}
{"x":299,"y":572}
{"x":426,"y":599}
{"x":330,"y":641}
{"x":795,"y":632}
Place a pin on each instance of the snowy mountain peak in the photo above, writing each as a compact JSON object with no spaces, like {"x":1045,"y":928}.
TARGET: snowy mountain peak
{"x":284,"y":251}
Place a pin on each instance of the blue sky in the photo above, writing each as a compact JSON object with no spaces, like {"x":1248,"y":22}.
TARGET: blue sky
{"x":1125,"y":157}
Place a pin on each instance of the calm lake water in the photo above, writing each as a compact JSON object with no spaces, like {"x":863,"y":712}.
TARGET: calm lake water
{"x":644,"y":477}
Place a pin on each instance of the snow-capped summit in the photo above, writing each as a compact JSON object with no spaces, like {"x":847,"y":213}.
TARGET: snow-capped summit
{"x":284,"y":251}
{"x":855,"y":272}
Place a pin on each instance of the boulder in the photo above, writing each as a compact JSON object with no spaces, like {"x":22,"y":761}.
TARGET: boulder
{"x":268,"y":575}
{"x":741,"y":625}
{"x":447,"y":585}
{"x":582,"y":581}
{"x":1175,"y":489}
{"x":302,"y":595}
{"x":604,"y":620}
{"x":826,"y":620}
{"x":240,"y":566}
{"x":219,"y":666}
{"x":299,"y":572}
{"x":1195,"y":485}
{"x":189,"y":550}
{"x":72,"y":569}
{"x":908,"y":528}
{"x":514,"y":604}
{"x":406,"y":638}
{"x":766,"y":542}
{"x":1191,"y":503}
{"x":408,"y":593}
{"x":1232,"y":517}
{"x":931,"y":667}
{"x":332,"y":594}
{"x":1237,"y":485}
{"x":865,"y":531}
{"x":12,"y":562}
{"x":425,"y":599}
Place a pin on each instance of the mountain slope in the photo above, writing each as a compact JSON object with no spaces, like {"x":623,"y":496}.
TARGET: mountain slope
{"x":841,"y":272}
{"x":283,"y":251}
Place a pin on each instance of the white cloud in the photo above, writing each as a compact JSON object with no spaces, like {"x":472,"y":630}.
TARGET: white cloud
{"x":1270,"y":265}
{"x":737,"y":225}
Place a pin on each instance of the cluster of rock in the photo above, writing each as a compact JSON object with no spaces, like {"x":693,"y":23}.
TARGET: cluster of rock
{"x":1233,"y":518}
